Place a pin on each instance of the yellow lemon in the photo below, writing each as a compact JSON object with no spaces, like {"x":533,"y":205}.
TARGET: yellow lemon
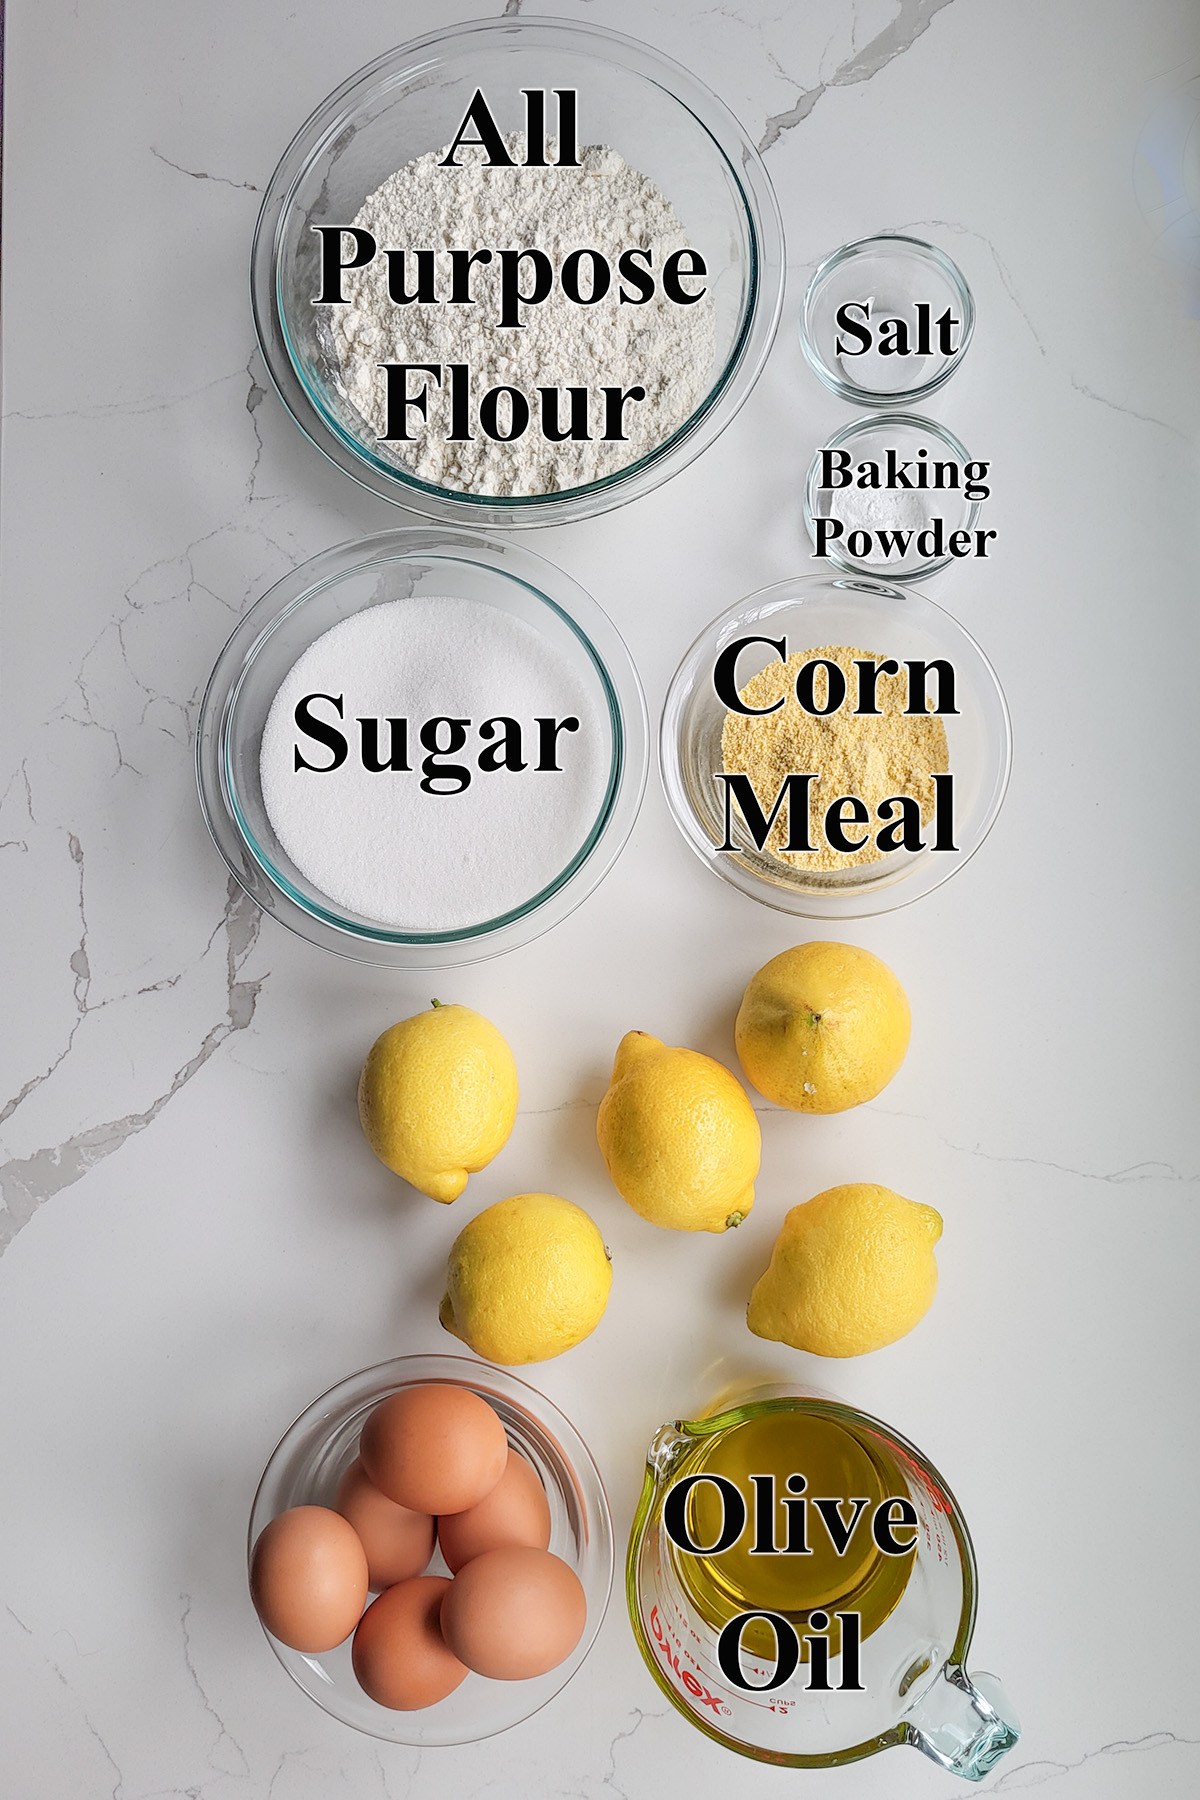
{"x":679,"y":1136}
{"x":852,"y":1270}
{"x":822,"y":1027}
{"x":437,"y":1098}
{"x":527,"y":1279}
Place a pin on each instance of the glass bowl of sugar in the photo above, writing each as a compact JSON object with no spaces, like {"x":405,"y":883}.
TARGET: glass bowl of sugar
{"x":570,"y":245}
{"x":835,"y":746}
{"x":422,"y":748}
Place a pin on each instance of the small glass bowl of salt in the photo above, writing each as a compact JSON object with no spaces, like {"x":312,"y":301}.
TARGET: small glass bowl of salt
{"x":422,"y":748}
{"x":895,"y":495}
{"x":886,"y":320}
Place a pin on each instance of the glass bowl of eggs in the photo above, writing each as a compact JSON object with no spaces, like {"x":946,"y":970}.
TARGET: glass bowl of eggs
{"x":430,"y":1551}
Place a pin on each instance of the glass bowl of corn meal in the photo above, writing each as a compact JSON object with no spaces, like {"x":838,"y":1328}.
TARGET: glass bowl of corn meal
{"x":835,"y":746}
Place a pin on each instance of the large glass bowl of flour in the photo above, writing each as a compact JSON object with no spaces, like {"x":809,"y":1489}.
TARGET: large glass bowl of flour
{"x":664,"y":125}
{"x":422,"y":748}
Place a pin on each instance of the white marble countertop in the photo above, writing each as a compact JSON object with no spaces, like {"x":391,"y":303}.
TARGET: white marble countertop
{"x":195,"y":1240}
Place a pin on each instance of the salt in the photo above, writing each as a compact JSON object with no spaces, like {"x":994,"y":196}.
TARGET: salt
{"x":421,"y":857}
{"x":876,"y":372}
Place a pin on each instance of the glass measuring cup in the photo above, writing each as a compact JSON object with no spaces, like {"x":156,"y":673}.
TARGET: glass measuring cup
{"x":800,"y":1653}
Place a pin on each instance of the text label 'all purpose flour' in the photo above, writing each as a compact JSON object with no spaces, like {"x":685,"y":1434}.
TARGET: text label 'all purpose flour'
{"x":514,"y":315}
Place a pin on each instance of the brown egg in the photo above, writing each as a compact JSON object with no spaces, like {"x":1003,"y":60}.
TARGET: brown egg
{"x":434,"y":1448}
{"x":308,"y":1578}
{"x":515,"y":1512}
{"x":400,"y":1657}
{"x":398,"y":1543}
{"x":514,"y":1612}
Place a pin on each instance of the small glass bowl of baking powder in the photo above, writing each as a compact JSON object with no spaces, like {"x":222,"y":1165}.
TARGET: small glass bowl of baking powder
{"x":422,"y":748}
{"x":305,"y":1469}
{"x":866,"y":621}
{"x":886,"y":320}
{"x":897,"y":496}
{"x":650,"y":110}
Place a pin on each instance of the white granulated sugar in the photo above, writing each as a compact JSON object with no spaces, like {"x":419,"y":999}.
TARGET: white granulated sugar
{"x":602,"y":205}
{"x":379,"y":846}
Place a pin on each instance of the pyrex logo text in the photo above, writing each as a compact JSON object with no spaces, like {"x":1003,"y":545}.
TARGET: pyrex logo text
{"x":695,"y":1688}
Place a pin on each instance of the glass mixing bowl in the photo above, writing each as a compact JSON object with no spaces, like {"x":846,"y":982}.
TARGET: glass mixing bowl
{"x":305,"y":1469}
{"x":895,"y":273}
{"x":403,"y":565}
{"x":871,"y":439}
{"x":664,"y":123}
{"x":810,"y":611}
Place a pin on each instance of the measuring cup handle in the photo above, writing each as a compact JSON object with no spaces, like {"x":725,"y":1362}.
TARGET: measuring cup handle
{"x":964,"y":1725}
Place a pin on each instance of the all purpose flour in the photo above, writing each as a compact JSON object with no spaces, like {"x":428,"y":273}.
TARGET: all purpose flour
{"x":411,"y":847}
{"x":602,"y":205}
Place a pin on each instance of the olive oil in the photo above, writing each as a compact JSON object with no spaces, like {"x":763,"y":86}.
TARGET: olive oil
{"x":809,"y":1542}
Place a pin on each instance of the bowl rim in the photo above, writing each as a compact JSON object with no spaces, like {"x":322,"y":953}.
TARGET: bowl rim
{"x":858,"y":428}
{"x":360,"y":940}
{"x":744,"y":364}
{"x":487,"y":1380}
{"x":868,"y":900}
{"x":852,"y":391}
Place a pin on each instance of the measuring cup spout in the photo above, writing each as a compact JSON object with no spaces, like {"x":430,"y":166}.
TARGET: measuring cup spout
{"x":964,"y":1725}
{"x":668,"y":1447}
